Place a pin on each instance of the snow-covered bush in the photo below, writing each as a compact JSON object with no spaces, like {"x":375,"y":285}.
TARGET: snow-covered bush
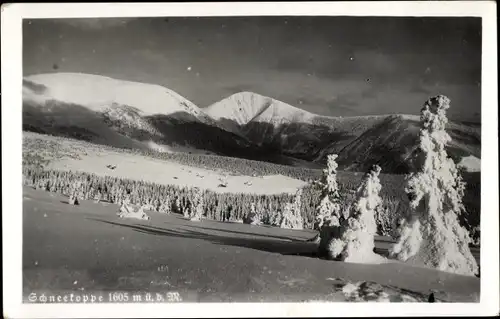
{"x":354,"y":241}
{"x":432,"y":235}
{"x":329,"y":207}
{"x":252,"y":217}
{"x":73,"y":200}
{"x":128,"y":211}
{"x":292,"y":217}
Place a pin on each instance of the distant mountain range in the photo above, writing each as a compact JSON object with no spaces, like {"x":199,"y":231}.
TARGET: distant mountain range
{"x":248,"y":125}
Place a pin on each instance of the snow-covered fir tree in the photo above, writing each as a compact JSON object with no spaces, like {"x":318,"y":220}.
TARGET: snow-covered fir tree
{"x":252,"y":217}
{"x":432,"y":235}
{"x":355,"y":242}
{"x":387,"y":217}
{"x":292,"y":217}
{"x":177,"y":205}
{"x":196,"y":212}
{"x":75,"y":193}
{"x":328,"y":208}
{"x":186,"y":205}
{"x":259,"y":211}
{"x":276,"y":218}
{"x":286,"y":216}
{"x":165,"y":206}
{"x":186,"y":210}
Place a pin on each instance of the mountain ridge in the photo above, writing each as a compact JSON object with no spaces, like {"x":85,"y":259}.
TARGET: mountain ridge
{"x":97,"y":92}
{"x":242,"y":125}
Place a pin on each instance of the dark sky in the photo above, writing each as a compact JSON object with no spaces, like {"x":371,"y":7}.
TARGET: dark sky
{"x":338,"y":66}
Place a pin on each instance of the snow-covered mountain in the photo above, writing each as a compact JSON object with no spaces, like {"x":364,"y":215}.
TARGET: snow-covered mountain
{"x":120,"y":113}
{"x":246,"y":107}
{"x":390,"y":140}
{"x":97,"y":93}
{"x":137,"y":115}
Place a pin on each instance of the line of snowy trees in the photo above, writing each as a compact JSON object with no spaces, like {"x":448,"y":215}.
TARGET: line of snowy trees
{"x":429,"y":234}
{"x":294,"y":211}
{"x":189,"y":201}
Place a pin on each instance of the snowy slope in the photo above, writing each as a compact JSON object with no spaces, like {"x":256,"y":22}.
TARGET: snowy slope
{"x":122,"y":114}
{"x":99,"y":92}
{"x":70,"y":247}
{"x":245,"y":107}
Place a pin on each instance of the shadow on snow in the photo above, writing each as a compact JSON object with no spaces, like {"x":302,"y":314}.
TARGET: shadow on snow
{"x":272,"y":244}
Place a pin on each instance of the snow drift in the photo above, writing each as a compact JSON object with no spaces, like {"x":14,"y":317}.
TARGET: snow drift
{"x":129,"y":211}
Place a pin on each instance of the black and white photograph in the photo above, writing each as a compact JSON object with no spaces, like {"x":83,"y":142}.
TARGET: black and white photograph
{"x":314,"y":159}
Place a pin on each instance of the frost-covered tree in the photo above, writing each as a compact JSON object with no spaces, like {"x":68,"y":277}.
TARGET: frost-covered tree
{"x":432,"y":235}
{"x":75,"y":193}
{"x":165,"y":206}
{"x":292,"y":218}
{"x":90,"y":193}
{"x":186,"y":210}
{"x":177,"y":205}
{"x":252,"y":217}
{"x":196,"y":212}
{"x":276,"y":218}
{"x":260,"y":212}
{"x":286,"y":216}
{"x":297,"y":202}
{"x":355,"y":241}
{"x":328,"y":208}
{"x":387,"y":216}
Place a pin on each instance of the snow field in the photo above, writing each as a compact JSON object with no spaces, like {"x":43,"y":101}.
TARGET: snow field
{"x":232,"y":255}
{"x":139,"y":167}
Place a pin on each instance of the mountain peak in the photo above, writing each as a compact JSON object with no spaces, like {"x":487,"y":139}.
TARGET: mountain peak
{"x":245,"y":107}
